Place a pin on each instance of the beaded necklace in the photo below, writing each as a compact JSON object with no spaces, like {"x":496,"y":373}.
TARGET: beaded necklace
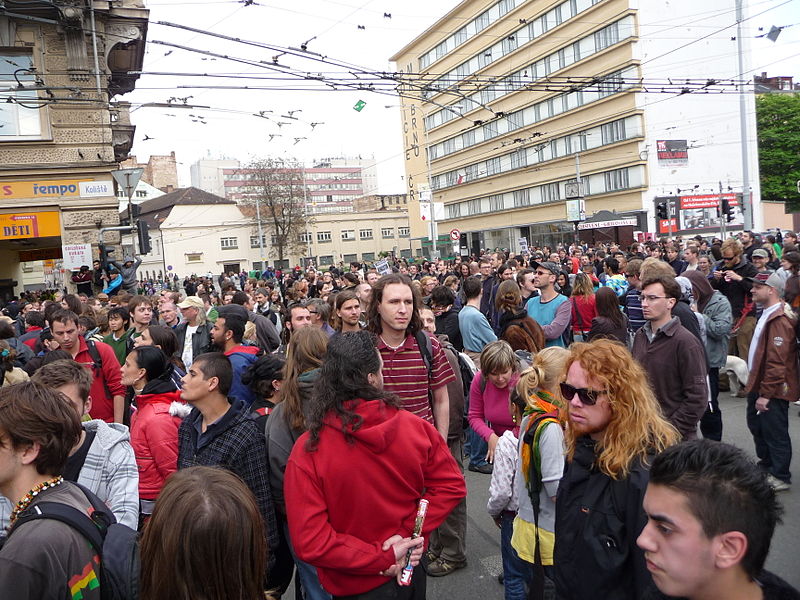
{"x":28,"y":498}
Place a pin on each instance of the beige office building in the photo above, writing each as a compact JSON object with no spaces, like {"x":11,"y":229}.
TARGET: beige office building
{"x":505,"y":102}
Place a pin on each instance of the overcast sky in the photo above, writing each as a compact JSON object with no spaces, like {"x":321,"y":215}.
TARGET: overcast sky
{"x":229,"y":129}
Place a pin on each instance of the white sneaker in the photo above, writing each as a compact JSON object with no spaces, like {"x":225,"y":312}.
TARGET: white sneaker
{"x":778,"y":485}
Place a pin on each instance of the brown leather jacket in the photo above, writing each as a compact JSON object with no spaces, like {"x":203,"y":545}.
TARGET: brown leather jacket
{"x":775,"y":369}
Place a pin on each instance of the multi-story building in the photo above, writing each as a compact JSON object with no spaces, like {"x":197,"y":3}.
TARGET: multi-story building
{"x":512,"y":107}
{"x":194,"y":232}
{"x":381,"y":202}
{"x":207,"y":174}
{"x":330,"y":185}
{"x":61,"y":63}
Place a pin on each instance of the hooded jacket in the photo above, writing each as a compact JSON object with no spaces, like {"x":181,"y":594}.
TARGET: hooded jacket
{"x":737,"y":292}
{"x":718,"y":317}
{"x":128,"y":273}
{"x":347,"y":497}
{"x":154,"y":434}
{"x":241,"y":358}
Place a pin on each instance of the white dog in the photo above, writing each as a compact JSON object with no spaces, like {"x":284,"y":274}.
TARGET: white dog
{"x":736,"y":368}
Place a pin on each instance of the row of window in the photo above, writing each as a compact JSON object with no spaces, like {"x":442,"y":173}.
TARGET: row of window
{"x":589,"y":139}
{"x":529,"y":115}
{"x":17,"y":121}
{"x":471,"y":29}
{"x":348,"y":235}
{"x":528,"y":32}
{"x":597,"y":183}
{"x":542,"y":68}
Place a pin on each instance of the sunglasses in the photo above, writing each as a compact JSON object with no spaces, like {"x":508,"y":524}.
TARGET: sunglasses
{"x":587,"y":396}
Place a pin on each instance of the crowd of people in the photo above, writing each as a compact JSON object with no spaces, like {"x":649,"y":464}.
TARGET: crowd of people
{"x":255,"y":428}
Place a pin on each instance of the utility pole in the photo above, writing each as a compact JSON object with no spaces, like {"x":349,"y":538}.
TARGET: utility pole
{"x":747,"y":204}
{"x":723,"y":218}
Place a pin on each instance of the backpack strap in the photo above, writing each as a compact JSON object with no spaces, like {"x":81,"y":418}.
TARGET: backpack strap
{"x":97,"y":360}
{"x":80,"y":521}
{"x":426,"y":349}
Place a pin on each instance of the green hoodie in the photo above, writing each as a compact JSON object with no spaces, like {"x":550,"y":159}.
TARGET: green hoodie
{"x":120,"y":346}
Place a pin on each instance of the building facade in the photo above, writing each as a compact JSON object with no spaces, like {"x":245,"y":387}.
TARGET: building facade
{"x":61,"y":64}
{"x":208,"y":174}
{"x":512,"y":108}
{"x":194,"y":232}
{"x":160,"y":171}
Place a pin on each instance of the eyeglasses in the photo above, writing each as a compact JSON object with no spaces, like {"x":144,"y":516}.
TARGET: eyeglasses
{"x":587,"y":396}
{"x":649,"y":297}
{"x":728,"y":257}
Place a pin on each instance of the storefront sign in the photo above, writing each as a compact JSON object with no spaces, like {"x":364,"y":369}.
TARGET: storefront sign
{"x":76,"y":255}
{"x":17,"y":226}
{"x":672,"y":153}
{"x":602,"y":224}
{"x":40,"y":254}
{"x":699,"y":212}
{"x":66,"y":188}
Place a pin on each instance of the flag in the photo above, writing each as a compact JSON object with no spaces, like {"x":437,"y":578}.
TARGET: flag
{"x":359,"y":106}
{"x":460,"y":180}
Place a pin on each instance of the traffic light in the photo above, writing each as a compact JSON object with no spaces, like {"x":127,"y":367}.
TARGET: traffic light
{"x":105,"y":255}
{"x":661,"y":210}
{"x":144,"y":237}
{"x":727,"y":210}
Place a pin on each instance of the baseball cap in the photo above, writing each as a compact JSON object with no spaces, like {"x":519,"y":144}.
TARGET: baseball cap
{"x":773,"y":280}
{"x":761,"y":253}
{"x":550,"y":266}
{"x":192,"y":302}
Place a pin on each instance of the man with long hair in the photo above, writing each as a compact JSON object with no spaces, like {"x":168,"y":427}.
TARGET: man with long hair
{"x":355,"y":478}
{"x":615,"y":426}
{"x":414,"y":365}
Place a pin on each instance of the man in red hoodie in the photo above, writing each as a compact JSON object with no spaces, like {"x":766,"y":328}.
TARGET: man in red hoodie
{"x":355,"y":478}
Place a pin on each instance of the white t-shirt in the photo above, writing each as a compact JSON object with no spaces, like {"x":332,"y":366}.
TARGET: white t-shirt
{"x":187,"y":354}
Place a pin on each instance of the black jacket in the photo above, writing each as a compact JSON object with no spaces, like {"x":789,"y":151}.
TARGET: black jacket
{"x":201,"y":340}
{"x":447,"y":324}
{"x":772,"y":586}
{"x":735,"y":291}
{"x":597,"y":523}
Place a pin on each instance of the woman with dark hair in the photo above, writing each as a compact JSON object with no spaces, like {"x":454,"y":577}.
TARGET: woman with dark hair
{"x":287,"y":423}
{"x":11,"y":374}
{"x":204,"y":540}
{"x":356,"y":477}
{"x":264,"y":377}
{"x":610,"y":321}
{"x":73,"y":303}
{"x":790,"y":264}
{"x":564,"y":286}
{"x":154,"y":424}
{"x":165,"y":339}
{"x":516,"y":327}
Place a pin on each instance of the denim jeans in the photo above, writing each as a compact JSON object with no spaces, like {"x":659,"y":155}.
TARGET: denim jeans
{"x":307,"y":574}
{"x":517,"y":573}
{"x":476,"y":448}
{"x":770,"y":431}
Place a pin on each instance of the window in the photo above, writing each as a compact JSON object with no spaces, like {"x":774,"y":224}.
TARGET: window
{"x":519,"y":158}
{"x":228,"y":243}
{"x":348,"y":235}
{"x":365,"y":234}
{"x":613,"y":132}
{"x":387,"y":232}
{"x":474,"y":206}
{"x":509,"y":44}
{"x":194,"y":258}
{"x":141,"y":194}
{"x":496,"y":203}
{"x":403,"y":231}
{"x":305,"y":238}
{"x":522,"y":197}
{"x":482,"y":21}
{"x":616,"y":180}
{"x":490,"y":130}
{"x":550,"y":192}
{"x":453,"y":211}
{"x":349,"y":258}
{"x":254,"y":241}
{"x":323,"y":236}
{"x":17,"y":121}
{"x":492,"y":166}
{"x":368,"y":256}
{"x":326,"y":260}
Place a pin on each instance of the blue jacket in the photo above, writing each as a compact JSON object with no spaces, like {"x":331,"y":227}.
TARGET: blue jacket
{"x":241,"y":358}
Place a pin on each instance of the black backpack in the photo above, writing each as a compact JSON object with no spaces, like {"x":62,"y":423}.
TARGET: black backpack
{"x":117,"y":545}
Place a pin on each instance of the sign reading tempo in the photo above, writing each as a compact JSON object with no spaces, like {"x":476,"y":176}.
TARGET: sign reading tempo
{"x":69,"y":188}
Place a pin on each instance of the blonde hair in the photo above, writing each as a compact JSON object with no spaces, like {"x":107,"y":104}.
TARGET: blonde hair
{"x":250,"y":332}
{"x":637,"y":427}
{"x":653,"y":267}
{"x":734,"y":245}
{"x":545,"y":373}
{"x":583,"y":285}
{"x":498,"y":357}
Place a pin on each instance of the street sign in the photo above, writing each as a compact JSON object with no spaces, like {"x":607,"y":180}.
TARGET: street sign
{"x":76,"y":255}
{"x":455,"y":235}
{"x":127,"y":179}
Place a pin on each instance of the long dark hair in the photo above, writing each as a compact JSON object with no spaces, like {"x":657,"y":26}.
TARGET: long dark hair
{"x":165,"y":338}
{"x":350,"y":359}
{"x":373,"y":317}
{"x":607,"y":305}
{"x":154,"y":362}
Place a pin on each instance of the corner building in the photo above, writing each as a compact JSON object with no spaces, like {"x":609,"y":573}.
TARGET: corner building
{"x":505,"y":102}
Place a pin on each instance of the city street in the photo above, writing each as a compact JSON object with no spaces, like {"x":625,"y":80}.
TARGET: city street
{"x":479,"y":578}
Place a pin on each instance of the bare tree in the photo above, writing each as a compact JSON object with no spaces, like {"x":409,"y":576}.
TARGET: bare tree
{"x":275,"y":188}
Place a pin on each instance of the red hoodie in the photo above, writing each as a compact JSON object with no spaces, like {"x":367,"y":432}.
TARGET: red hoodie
{"x":344,"y":500}
{"x":154,"y":437}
